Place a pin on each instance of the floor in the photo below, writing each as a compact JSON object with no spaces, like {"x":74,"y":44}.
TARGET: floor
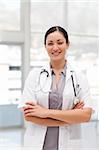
{"x":12,"y":138}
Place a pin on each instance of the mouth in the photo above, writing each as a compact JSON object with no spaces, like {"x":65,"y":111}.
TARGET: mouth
{"x":56,"y":53}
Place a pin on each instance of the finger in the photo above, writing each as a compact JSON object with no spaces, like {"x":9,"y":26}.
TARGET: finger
{"x":29,"y":107}
{"x":30,"y":103}
{"x":29,"y":114}
{"x":80,"y":103}
{"x":80,"y":106}
{"x":28,"y":111}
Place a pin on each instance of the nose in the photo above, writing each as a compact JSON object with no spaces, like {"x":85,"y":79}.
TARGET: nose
{"x":55,"y":47}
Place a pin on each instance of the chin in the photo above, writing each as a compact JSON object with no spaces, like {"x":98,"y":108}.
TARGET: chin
{"x":56,"y":58}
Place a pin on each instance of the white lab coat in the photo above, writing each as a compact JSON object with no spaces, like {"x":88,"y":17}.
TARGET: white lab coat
{"x":35,"y":134}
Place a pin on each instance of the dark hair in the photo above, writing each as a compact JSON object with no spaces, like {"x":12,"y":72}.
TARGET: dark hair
{"x":56,"y":28}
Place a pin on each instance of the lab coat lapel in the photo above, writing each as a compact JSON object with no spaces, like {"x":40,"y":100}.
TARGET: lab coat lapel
{"x":43,"y":96}
{"x":68,"y":72}
{"x":47,"y":80}
{"x":66,"y":102}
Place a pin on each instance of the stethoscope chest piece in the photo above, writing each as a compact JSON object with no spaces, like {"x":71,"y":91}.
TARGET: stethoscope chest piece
{"x":76,"y":90}
{"x":76,"y":101}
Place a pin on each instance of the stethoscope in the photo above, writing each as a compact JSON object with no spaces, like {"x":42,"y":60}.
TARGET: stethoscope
{"x":39,"y":86}
{"x":45,"y":71}
{"x":76,"y":89}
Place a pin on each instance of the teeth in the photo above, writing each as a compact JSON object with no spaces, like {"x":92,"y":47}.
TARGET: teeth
{"x":56,"y":53}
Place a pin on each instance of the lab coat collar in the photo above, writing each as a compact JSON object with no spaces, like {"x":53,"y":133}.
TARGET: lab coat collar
{"x":47,"y":87}
{"x":69,"y":70}
{"x":47,"y":67}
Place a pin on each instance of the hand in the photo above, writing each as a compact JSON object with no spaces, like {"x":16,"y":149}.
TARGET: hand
{"x":36,"y":110}
{"x":79,"y":105}
{"x":22,"y":106}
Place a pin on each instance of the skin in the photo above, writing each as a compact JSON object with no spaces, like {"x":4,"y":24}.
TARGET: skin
{"x":56,"y":47}
{"x":31,"y":116}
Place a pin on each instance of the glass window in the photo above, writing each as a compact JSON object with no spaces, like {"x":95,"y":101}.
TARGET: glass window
{"x":84,"y":55}
{"x":83,"y":17}
{"x":9,"y":15}
{"x":83,"y":27}
{"x":83,"y":46}
{"x":10,"y":73}
{"x":38,"y":54}
{"x":45,"y":14}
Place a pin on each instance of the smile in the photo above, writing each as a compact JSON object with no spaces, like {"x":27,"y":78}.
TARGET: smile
{"x":55,"y":53}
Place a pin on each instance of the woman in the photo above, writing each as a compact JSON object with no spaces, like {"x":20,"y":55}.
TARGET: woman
{"x":55,"y":98}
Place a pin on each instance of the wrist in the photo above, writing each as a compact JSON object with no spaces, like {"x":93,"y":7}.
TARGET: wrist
{"x":50,"y":113}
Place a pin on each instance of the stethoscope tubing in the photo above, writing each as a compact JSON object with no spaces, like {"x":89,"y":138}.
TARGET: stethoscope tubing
{"x":47,"y":75}
{"x":73,"y":86}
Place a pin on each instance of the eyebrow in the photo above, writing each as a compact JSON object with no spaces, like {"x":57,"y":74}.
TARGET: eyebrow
{"x":60,"y":40}
{"x":50,"y":41}
{"x":57,"y":40}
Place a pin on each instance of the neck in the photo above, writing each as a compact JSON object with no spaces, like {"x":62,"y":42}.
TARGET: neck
{"x":57,"y":65}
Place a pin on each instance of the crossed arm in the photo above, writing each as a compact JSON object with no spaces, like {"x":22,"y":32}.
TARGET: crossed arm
{"x":45,"y":121}
{"x":49,"y":117}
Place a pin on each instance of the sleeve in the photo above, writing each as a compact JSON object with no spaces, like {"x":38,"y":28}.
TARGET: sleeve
{"x":85,"y":91}
{"x":28,"y":93}
{"x":85,"y":94}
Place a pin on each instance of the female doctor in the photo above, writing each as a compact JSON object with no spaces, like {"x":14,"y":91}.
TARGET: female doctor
{"x":56,"y":98}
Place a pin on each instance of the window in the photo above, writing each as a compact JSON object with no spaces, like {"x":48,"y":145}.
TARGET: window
{"x":9,"y":15}
{"x":10,"y":73}
{"x":47,"y":14}
{"x":83,"y":26}
{"x":83,"y":17}
{"x":38,"y":54}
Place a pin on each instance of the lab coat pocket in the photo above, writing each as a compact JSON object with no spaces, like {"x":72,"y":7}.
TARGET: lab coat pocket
{"x":34,"y":137}
{"x":75,"y":138}
{"x":74,"y":144}
{"x":63,"y":135}
{"x":32,"y":140}
{"x":75,"y":131}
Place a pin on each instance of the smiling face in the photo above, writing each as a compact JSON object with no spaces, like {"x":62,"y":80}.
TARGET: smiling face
{"x":56,"y":46}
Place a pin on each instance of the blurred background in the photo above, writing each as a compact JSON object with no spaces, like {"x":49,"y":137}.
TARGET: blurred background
{"x":23,"y":24}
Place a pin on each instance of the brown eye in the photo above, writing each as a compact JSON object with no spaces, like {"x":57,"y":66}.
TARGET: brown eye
{"x":50,"y":44}
{"x":60,"y":43}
